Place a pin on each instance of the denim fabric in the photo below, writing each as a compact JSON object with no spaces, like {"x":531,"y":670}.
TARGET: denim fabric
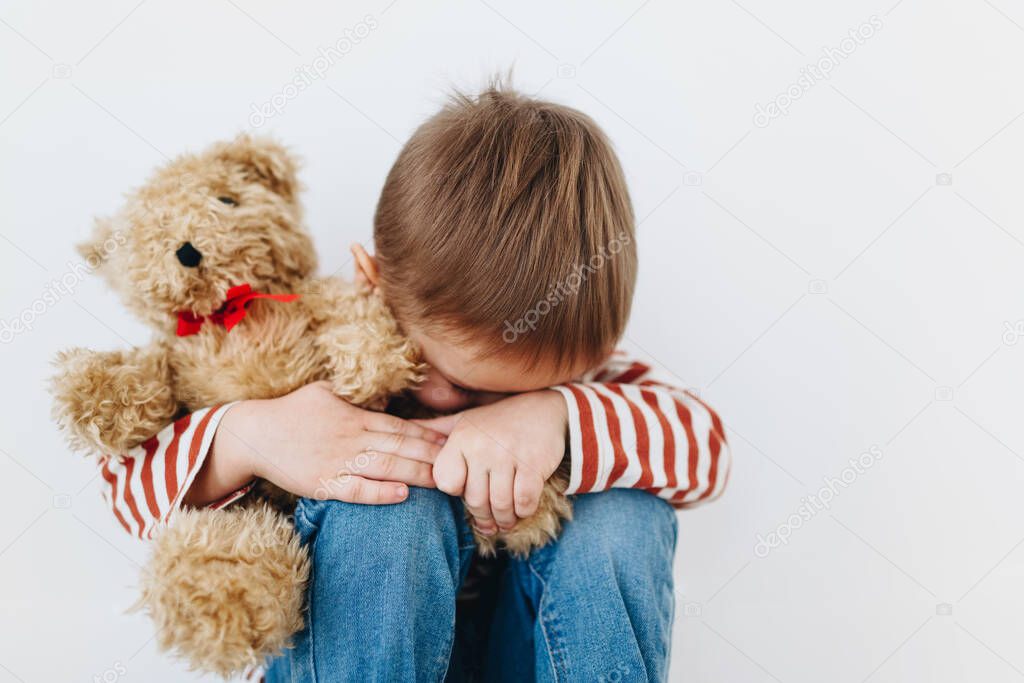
{"x":596,"y":605}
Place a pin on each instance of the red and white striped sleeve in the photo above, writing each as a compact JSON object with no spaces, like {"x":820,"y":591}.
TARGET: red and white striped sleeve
{"x":147,"y":484}
{"x":627,"y":430}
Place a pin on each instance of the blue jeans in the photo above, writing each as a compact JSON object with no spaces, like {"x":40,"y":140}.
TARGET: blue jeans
{"x":596,"y":605}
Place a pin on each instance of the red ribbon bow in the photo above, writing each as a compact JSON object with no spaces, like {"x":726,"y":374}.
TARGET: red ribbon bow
{"x":230,"y":313}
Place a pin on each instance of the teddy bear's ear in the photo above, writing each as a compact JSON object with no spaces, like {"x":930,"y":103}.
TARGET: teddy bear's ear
{"x":268,"y":161}
{"x":105,"y":241}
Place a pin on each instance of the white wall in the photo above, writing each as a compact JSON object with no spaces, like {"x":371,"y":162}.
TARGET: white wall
{"x":816,"y":278}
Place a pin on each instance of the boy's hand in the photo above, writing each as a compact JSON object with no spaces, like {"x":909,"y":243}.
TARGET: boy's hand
{"x":314,"y":444}
{"x":498,"y":456}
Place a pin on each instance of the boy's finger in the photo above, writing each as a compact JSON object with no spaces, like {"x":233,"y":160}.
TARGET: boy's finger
{"x":443,"y":424}
{"x":355,"y":489}
{"x":502,"y":502}
{"x":389,"y":424}
{"x":477,"y":499}
{"x":390,"y":468}
{"x":527,"y":492}
{"x":450,"y":471}
{"x":410,"y":447}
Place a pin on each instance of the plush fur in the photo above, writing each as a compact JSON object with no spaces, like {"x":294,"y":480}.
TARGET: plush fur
{"x":225,"y":587}
{"x":242,"y":601}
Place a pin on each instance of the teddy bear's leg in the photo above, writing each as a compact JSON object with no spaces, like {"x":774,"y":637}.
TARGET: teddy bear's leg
{"x":535,"y":531}
{"x":225,"y":588}
{"x":109,"y":402}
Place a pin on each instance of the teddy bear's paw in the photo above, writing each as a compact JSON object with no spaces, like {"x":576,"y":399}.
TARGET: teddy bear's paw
{"x":367,"y":367}
{"x":225,"y":588}
{"x":368,"y":358}
{"x":108,"y":402}
{"x":534,"y":532}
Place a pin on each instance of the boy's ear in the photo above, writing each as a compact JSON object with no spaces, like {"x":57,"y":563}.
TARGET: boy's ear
{"x":366,"y":265}
{"x":265,"y":160}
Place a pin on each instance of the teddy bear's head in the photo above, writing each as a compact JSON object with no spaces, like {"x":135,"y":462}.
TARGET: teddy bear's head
{"x":202,"y":224}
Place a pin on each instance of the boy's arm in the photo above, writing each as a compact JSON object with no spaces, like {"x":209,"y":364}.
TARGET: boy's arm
{"x":627,"y":430}
{"x":146,"y":485}
{"x":312,"y":443}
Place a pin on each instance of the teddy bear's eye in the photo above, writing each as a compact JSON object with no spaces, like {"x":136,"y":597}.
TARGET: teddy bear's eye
{"x":227,"y":200}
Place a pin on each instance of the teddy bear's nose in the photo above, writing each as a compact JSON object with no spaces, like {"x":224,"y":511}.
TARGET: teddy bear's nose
{"x":188,"y":255}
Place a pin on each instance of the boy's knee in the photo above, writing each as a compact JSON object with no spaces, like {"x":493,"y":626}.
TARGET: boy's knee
{"x":624,"y":523}
{"x":351,"y":543}
{"x":425,"y":520}
{"x":423,"y":509}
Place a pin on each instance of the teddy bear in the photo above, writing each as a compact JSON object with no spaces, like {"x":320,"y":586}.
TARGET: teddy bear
{"x":212,"y":254}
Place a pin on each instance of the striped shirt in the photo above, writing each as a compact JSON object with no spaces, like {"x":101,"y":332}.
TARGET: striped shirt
{"x":626,"y":430}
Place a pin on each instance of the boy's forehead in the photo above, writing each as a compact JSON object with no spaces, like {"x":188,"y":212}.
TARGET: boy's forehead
{"x":461,"y":364}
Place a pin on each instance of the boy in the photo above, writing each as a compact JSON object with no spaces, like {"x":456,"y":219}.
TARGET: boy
{"x":505,"y":247}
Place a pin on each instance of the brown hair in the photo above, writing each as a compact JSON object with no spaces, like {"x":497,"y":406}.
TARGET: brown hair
{"x":506,"y":220}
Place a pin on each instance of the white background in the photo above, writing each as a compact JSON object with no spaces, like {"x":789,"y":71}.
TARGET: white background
{"x":816,"y":279}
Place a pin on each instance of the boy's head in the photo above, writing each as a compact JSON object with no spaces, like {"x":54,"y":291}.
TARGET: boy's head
{"x":504,"y":244}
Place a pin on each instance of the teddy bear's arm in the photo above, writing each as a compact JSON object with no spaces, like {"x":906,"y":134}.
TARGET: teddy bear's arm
{"x":110,"y":401}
